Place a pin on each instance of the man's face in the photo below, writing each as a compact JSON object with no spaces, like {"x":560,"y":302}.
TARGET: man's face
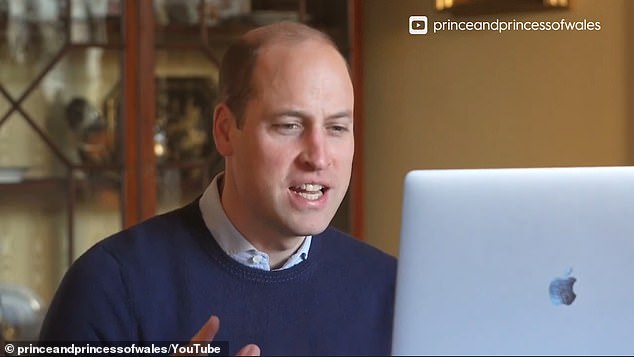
{"x":291,"y":161}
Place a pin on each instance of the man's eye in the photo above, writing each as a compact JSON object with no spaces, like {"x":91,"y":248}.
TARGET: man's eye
{"x":339,"y":129}
{"x":287,"y":127}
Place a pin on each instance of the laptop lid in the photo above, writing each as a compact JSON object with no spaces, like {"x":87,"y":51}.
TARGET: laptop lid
{"x":516,"y":261}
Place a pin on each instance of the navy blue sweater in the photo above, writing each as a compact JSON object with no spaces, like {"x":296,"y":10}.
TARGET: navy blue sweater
{"x":162,"y":279}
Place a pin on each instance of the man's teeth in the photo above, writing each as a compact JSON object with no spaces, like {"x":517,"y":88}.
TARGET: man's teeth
{"x":309,"y":191}
{"x":311,"y":196}
{"x":311,"y":187}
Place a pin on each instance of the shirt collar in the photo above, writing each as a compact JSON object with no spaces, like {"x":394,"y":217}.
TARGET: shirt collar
{"x":233,"y":242}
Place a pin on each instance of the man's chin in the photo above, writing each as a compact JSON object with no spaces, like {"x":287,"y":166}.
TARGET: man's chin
{"x":310,"y":230}
{"x":305,"y":224}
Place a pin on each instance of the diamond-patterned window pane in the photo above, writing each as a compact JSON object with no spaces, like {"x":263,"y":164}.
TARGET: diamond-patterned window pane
{"x":73,"y":104}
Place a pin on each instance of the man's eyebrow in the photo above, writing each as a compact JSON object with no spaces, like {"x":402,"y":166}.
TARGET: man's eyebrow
{"x":303,"y":115}
{"x":342,"y":114}
{"x":292,"y":113}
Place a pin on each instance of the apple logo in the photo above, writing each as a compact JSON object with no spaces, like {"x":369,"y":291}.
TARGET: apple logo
{"x":560,"y":289}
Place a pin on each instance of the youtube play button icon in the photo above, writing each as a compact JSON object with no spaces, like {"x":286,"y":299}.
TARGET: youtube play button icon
{"x":417,"y":25}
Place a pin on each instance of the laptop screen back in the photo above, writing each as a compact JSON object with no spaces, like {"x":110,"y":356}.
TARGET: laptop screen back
{"x":516,"y":261}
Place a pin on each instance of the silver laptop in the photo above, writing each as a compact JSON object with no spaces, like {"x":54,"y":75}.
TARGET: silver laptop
{"x":516,"y":261}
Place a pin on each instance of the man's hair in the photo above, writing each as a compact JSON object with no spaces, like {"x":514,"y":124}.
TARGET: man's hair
{"x":236,"y":69}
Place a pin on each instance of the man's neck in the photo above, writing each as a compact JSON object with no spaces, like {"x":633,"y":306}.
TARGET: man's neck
{"x":279,"y":250}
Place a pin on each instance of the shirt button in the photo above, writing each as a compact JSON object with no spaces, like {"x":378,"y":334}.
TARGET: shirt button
{"x":257,"y":259}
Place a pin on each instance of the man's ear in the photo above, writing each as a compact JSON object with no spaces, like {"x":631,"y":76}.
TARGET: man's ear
{"x":224,"y":124}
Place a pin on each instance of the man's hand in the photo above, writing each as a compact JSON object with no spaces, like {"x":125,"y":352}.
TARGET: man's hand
{"x":208,"y":332}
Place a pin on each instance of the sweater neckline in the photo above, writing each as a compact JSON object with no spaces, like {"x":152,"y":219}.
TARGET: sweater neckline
{"x":196,"y":225}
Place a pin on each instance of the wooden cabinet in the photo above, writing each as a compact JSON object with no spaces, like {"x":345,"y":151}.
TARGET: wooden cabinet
{"x":105,"y":116}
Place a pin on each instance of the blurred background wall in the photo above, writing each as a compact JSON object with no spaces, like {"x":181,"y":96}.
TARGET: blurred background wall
{"x":488,"y":99}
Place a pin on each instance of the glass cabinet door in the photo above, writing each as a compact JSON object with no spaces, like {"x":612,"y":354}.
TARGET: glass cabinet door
{"x":190,"y":39}
{"x":60,"y":148}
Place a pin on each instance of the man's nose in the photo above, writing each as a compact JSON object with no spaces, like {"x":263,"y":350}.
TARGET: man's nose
{"x":315,"y":152}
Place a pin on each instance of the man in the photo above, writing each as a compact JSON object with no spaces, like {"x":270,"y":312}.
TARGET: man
{"x":255,"y":251}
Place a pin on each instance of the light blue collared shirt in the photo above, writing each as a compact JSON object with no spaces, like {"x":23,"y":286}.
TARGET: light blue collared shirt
{"x":231,"y":241}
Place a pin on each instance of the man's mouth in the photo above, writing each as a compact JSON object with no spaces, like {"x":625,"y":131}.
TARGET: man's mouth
{"x":310,"y":191}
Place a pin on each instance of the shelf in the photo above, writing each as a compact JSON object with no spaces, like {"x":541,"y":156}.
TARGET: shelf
{"x":34,"y":185}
